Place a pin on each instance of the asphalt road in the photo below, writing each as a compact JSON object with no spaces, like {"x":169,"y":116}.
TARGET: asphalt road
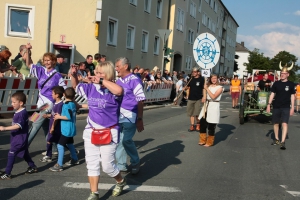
{"x":241,"y":165}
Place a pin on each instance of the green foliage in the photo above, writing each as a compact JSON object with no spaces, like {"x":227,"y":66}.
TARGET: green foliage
{"x":257,"y":60}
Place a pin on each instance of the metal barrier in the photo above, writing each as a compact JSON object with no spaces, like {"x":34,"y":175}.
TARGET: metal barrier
{"x":10,"y":85}
{"x":157,"y":92}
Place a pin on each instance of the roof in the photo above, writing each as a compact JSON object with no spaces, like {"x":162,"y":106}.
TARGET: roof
{"x":240,"y":47}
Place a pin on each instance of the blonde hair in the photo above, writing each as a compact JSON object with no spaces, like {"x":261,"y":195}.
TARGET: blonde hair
{"x":212,"y":75}
{"x":108,"y":69}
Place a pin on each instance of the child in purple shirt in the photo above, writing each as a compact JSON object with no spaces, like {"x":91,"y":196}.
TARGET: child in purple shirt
{"x":54,"y":126}
{"x":18,"y":136}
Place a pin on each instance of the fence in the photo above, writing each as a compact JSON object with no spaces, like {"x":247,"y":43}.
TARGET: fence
{"x":10,"y":85}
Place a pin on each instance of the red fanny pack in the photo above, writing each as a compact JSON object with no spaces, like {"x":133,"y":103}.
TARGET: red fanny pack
{"x":101,"y":136}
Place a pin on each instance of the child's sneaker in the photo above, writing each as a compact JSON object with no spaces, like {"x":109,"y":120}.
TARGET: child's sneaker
{"x":53,"y":153}
{"x":31,"y":170}
{"x":56,"y":168}
{"x":46,"y":159}
{"x":5,"y":177}
{"x":72,"y":162}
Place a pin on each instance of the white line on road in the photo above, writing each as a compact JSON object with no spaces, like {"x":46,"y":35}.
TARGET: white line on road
{"x":138,"y":188}
{"x":293,"y":193}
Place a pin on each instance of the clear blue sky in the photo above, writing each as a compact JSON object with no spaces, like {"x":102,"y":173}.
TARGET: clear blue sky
{"x":269,"y":25}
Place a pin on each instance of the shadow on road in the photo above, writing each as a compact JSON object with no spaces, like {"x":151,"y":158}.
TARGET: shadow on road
{"x":225,"y":131}
{"x":156,"y":161}
{"x":9,"y":193}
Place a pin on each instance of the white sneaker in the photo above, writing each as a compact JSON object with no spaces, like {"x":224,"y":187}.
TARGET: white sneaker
{"x":46,"y":159}
{"x":53,"y":153}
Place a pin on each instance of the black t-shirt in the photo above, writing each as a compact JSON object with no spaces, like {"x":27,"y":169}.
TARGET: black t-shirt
{"x":283,"y":92}
{"x":196,"y":88}
{"x":91,"y":67}
{"x":262,"y":85}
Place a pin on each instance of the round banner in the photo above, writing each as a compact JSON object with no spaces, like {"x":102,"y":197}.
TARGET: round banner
{"x":206,"y":50}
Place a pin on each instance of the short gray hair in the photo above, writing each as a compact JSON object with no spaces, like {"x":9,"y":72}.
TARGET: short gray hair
{"x":22,"y":47}
{"x":124,"y":61}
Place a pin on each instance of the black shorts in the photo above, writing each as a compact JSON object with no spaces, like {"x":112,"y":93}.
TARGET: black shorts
{"x":280,"y":115}
{"x":63,"y":140}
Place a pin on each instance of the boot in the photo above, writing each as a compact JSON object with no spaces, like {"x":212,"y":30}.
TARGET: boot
{"x":198,"y":127}
{"x":202,"y":138}
{"x":192,"y":128}
{"x":210,"y":141}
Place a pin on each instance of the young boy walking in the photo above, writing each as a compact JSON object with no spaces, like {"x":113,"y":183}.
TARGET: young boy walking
{"x":18,"y":136}
{"x":68,"y":131}
{"x":54,"y":125}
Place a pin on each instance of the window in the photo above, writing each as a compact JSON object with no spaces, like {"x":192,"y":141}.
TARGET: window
{"x":130,"y":37}
{"x":204,"y":19}
{"x":180,"y":19}
{"x":215,"y":7}
{"x":159,"y":8}
{"x":190,"y":36}
{"x":133,"y":2}
{"x":147,"y":6}
{"x":220,"y":32}
{"x":156,"y":45}
{"x":188,"y":62}
{"x":206,"y":1}
{"x":145,"y":38}
{"x":198,"y":27}
{"x":19,"y":20}
{"x":112,"y":31}
{"x":200,"y":4}
{"x":193,"y":9}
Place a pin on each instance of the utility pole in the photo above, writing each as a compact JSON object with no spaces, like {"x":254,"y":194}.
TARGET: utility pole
{"x":164,"y":35}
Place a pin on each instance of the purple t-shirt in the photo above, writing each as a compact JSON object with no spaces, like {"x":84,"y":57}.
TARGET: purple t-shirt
{"x":104,"y":107}
{"x":41,"y":73}
{"x":19,"y":137}
{"x":133,"y":93}
{"x":57,"y":107}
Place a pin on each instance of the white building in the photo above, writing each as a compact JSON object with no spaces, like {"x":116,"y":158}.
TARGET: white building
{"x":243,"y":54}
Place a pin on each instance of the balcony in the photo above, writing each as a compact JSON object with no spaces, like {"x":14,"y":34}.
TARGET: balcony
{"x":225,"y":26}
{"x":223,"y":43}
{"x":222,"y":59}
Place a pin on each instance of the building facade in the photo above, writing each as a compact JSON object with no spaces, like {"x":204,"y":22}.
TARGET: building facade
{"x":243,"y":54}
{"x":188,"y":19}
{"x":115,"y":28}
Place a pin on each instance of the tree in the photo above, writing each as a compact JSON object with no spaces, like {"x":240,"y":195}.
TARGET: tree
{"x":257,"y":60}
{"x":235,"y":66}
{"x":286,"y":58}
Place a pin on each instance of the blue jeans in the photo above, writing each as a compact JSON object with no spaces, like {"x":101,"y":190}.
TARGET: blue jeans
{"x":36,"y":126}
{"x":61,"y":153}
{"x":126,"y":145}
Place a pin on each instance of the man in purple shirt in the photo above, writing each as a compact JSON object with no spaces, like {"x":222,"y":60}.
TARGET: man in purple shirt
{"x":131,"y":115}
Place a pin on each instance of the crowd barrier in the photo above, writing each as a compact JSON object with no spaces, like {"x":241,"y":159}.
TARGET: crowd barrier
{"x":157,"y":92}
{"x":10,"y":85}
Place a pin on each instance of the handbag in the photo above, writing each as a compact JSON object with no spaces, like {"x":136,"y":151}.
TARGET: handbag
{"x":101,"y":136}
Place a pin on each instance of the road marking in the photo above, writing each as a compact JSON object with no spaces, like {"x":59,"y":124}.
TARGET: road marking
{"x":137,"y":188}
{"x":293,"y":193}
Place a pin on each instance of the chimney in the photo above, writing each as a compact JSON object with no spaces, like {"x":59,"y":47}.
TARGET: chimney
{"x":242,"y":43}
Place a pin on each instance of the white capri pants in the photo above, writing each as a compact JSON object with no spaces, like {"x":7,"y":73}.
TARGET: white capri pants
{"x":94,"y":154}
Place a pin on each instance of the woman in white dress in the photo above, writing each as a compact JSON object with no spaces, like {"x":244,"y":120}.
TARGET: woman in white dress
{"x":210,"y":114}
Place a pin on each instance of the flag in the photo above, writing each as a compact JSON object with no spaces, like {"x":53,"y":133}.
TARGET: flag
{"x":28,"y":30}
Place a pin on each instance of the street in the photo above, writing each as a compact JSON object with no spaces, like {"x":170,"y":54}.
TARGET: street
{"x":242,"y":164}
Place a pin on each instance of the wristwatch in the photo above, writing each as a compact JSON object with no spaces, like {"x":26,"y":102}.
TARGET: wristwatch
{"x":139,"y":118}
{"x":101,"y":81}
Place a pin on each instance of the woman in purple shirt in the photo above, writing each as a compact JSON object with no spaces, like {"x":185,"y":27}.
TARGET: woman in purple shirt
{"x":104,"y":100}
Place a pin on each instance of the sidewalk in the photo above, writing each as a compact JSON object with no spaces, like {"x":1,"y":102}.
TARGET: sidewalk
{"x":6,"y":119}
